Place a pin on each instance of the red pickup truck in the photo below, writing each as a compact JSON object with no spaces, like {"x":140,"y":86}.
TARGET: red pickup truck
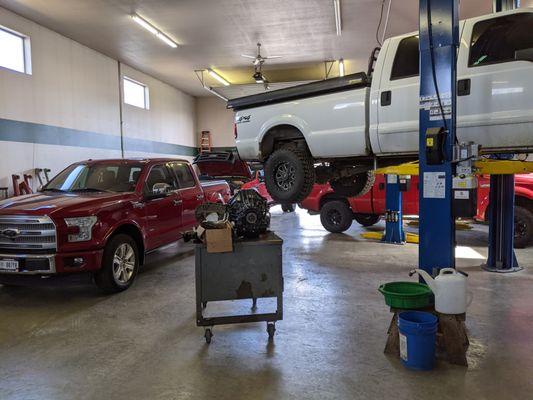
{"x":101,"y":217}
{"x":337,"y":213}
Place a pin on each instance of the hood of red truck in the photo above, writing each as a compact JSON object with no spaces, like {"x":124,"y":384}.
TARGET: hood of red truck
{"x":60,"y":204}
{"x":222,"y":165}
{"x":217,"y":169}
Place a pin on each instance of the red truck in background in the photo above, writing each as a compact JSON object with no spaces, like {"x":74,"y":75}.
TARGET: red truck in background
{"x":101,"y":217}
{"x":337,"y":213}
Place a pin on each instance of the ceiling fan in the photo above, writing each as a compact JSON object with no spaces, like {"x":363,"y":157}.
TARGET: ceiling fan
{"x":259,"y":59}
{"x":258,"y":62}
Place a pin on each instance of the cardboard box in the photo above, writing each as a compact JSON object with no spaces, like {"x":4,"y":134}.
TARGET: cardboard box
{"x":219,"y":240}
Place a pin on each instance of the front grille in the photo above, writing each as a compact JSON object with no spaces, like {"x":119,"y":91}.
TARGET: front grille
{"x":27,"y":233}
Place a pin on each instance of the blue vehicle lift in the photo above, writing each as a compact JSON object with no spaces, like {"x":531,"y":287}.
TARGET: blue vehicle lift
{"x":394,"y":232}
{"x":439,"y":41}
{"x":502,"y":257}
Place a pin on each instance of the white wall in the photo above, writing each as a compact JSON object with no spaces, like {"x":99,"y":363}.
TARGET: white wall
{"x":212,"y":115}
{"x":170,"y":117}
{"x":76,"y":89}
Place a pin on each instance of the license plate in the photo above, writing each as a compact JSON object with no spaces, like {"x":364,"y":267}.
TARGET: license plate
{"x":9,"y":265}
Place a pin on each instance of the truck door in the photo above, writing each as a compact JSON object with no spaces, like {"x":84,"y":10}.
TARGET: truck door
{"x":190,"y":194}
{"x":398,"y":98}
{"x":162,"y":207}
{"x":495,"y":81}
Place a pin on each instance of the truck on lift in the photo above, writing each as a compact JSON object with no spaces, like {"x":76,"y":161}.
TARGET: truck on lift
{"x":101,"y":217}
{"x":338,"y":130}
{"x":337,"y":212}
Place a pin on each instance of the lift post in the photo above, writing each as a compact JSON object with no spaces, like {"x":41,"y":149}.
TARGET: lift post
{"x":439,"y":40}
{"x":394,"y":232}
{"x":502,"y":257}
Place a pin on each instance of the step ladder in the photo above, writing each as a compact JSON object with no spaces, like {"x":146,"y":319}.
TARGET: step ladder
{"x":205,"y":141}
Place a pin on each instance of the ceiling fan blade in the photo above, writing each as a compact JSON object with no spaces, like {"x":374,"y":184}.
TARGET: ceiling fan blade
{"x":269,"y":57}
{"x":247,"y":56}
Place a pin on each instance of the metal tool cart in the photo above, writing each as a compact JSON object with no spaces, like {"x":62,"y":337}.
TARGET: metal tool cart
{"x":253,"y":270}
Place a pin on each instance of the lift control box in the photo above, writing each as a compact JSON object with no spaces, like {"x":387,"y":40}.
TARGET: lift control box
{"x":464,"y":189}
{"x":435,"y":138}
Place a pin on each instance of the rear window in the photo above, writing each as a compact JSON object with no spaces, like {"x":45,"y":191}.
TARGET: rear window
{"x":496,"y":40}
{"x":406,"y":59}
{"x":184,"y":175}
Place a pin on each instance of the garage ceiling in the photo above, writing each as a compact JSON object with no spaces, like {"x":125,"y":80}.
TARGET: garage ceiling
{"x":213,"y":33}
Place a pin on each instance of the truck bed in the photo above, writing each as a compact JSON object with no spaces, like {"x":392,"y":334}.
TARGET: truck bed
{"x":348,"y":82}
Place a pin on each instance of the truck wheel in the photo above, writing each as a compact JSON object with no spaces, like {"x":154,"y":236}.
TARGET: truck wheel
{"x":336,"y":216}
{"x":523,"y":227}
{"x":367,"y":219}
{"x":353,"y":186}
{"x":287,"y":208}
{"x":289,"y":175}
{"x":120,"y":265}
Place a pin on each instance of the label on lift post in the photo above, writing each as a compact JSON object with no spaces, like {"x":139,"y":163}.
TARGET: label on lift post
{"x":434,"y":185}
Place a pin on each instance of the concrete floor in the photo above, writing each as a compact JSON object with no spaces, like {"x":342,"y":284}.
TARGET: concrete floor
{"x":72,"y":343}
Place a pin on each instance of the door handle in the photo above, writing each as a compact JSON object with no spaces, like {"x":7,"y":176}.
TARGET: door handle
{"x":386,"y":98}
{"x":463,"y":87}
{"x":199,"y":196}
{"x":177,"y":202}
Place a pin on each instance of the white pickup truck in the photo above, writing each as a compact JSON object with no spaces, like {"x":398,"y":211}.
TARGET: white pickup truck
{"x":336,"y":130}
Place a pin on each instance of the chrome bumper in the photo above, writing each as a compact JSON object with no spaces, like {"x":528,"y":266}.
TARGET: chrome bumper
{"x":33,"y":259}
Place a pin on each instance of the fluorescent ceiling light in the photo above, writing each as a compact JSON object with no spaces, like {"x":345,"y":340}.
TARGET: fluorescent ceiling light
{"x":218,"y":77}
{"x":338,"y":21}
{"x":154,"y":31}
{"x":341,"y":67}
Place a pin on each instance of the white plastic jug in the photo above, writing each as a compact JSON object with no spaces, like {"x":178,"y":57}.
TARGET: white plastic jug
{"x":449,"y":288}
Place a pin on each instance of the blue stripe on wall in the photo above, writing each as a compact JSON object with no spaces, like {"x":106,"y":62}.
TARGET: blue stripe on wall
{"x":29,"y":132}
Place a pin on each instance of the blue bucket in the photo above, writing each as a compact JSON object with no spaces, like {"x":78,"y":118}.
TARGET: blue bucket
{"x":418,"y":332}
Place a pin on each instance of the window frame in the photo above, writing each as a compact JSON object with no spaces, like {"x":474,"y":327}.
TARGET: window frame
{"x":469,"y":65}
{"x":26,"y":51}
{"x":391,"y":79}
{"x":146,"y":190}
{"x":177,"y":177}
{"x":146,"y":92}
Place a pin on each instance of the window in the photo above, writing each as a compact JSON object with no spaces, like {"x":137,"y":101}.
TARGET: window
{"x":159,"y":176}
{"x":135,"y":93}
{"x":184,"y":175}
{"x":15,"y":51}
{"x":406,"y":60}
{"x":94,"y":178}
{"x":496,"y":40}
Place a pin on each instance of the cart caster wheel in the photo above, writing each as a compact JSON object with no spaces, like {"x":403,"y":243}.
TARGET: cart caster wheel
{"x":271,"y":329}
{"x":208,"y":335}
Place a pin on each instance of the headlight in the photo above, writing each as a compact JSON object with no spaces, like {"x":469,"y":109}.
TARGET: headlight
{"x":81,"y":228}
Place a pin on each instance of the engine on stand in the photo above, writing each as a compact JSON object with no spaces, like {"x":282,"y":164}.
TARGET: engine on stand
{"x":248,"y":210}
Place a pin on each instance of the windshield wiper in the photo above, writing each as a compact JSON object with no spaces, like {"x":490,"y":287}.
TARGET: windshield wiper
{"x":88,"y":189}
{"x":52,"y":190}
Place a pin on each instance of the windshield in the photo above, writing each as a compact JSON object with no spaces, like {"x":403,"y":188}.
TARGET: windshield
{"x":96,"y":178}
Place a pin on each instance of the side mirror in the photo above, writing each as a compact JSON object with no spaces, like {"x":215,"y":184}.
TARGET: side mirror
{"x":159,"y":190}
{"x":524,"y":55}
